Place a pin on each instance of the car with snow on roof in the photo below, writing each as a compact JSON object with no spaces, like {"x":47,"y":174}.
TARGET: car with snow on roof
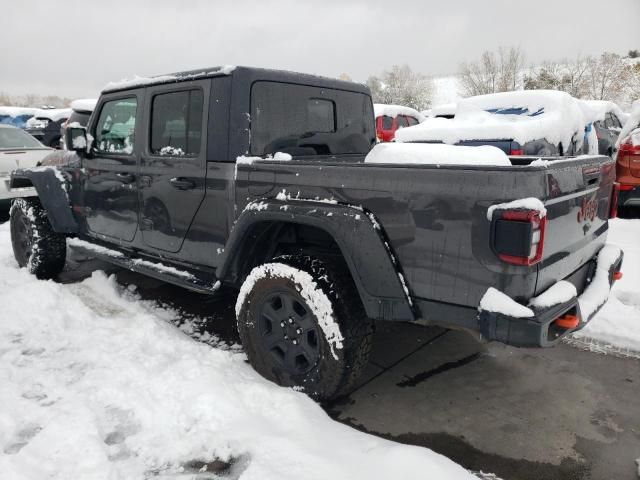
{"x":530,"y":122}
{"x":606,"y":118}
{"x":628,"y":163}
{"x":272,"y":185}
{"x":45,"y":125}
{"x":391,"y":118}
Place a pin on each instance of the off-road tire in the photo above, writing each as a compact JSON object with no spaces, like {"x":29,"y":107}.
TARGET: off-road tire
{"x":35,"y":245}
{"x":335,"y":370}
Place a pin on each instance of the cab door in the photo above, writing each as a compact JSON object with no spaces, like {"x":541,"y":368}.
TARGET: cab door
{"x":109,"y":186}
{"x":173,"y":162}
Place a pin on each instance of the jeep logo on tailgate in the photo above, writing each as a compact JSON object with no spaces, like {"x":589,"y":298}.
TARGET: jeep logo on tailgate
{"x":588,"y":209}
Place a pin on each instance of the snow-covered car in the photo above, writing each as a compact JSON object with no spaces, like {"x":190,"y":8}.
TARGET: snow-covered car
{"x":16,"y":116}
{"x":528,"y":122}
{"x":18,"y":149}
{"x":607,"y":119}
{"x":81,"y":110}
{"x":45,"y":125}
{"x":446,"y":110}
{"x":390,"y":118}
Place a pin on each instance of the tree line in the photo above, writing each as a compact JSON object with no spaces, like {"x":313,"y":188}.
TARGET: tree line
{"x":609,"y":76}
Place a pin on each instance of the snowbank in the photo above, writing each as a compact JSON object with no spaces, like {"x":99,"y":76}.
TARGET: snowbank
{"x":436,"y":154}
{"x":97,"y":385}
{"x":618,"y":322}
{"x":84,"y":104}
{"x":551,"y":115}
{"x":381,"y":109}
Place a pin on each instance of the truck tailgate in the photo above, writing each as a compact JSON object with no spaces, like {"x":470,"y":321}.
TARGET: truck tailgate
{"x":578,"y":205}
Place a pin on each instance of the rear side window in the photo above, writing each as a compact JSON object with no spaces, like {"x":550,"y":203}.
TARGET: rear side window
{"x":402,"y":121}
{"x":303,"y":120}
{"x":115,"y":130}
{"x":176,"y":123}
{"x":412,"y":121}
{"x":387,"y":122}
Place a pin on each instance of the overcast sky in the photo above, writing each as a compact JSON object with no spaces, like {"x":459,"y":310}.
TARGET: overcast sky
{"x":74,"y":47}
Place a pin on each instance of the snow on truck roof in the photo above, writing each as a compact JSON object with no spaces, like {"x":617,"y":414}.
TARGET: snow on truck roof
{"x":138,"y":81}
{"x":521,"y":116}
{"x":382,"y":109}
{"x":598,"y":109}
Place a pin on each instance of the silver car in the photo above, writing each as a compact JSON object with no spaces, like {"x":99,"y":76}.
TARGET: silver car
{"x":18,"y":149}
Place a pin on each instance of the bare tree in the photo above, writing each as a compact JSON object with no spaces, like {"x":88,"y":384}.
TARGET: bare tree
{"x":493,"y":72}
{"x":567,"y":76}
{"x":607,"y":76}
{"x":402,"y":86}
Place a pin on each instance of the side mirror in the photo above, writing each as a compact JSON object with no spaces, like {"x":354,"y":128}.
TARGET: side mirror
{"x":76,"y":139}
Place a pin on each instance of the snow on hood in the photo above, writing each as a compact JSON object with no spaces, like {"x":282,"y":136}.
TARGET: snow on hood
{"x":381,"y":109}
{"x":633,"y":122}
{"x":97,"y":384}
{"x":52,"y":114}
{"x":596,"y":110}
{"x":436,"y":154}
{"x":84,"y":104}
{"x":444,"y":109}
{"x":547,"y":114}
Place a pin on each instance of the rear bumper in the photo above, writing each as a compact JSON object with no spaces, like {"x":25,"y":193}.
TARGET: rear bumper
{"x":542,"y":329}
{"x":629,"y":198}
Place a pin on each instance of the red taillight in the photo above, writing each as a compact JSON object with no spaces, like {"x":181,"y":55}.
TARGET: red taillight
{"x":625,"y":188}
{"x":613,"y":204}
{"x":538,"y":226}
{"x":627,"y":147}
{"x":516,"y":151}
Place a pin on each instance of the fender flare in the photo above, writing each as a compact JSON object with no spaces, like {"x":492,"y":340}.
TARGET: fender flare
{"x":357,"y":233}
{"x":52,"y":187}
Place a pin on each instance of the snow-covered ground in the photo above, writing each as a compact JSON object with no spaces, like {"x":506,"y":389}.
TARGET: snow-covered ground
{"x":616,"y":327}
{"x":97,"y":384}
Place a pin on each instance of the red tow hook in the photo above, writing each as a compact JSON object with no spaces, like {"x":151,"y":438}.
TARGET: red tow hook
{"x":617,"y":275}
{"x":567,"y":321}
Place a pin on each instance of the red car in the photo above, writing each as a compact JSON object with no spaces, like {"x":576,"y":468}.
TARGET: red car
{"x":390,"y":118}
{"x":628,"y":172}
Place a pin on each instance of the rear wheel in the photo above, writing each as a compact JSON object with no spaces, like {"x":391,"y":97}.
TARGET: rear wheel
{"x":302,"y":325}
{"x":35,"y":245}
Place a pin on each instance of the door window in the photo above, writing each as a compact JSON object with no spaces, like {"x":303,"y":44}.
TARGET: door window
{"x":115,"y":130}
{"x":176,"y":123}
{"x":402,"y":121}
{"x":412,"y":121}
{"x":387,"y":122}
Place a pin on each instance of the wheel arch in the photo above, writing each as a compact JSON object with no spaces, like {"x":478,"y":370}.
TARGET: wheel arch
{"x":52,"y":192}
{"x":266,"y":229}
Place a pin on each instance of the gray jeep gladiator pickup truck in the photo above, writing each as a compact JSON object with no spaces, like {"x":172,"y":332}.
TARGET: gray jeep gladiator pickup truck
{"x":256,"y":179}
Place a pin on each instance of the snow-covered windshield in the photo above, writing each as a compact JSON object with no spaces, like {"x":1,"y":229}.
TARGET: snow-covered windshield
{"x":516,"y":111}
{"x":12,"y":138}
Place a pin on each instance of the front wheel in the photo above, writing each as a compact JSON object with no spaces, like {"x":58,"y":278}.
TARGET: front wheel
{"x":302,"y":325}
{"x":35,"y":245}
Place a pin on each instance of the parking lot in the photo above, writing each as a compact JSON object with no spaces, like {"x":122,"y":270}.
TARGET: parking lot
{"x":559,"y":413}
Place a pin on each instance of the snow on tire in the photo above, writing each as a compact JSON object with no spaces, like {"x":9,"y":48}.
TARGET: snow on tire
{"x":35,"y":245}
{"x":302,"y":325}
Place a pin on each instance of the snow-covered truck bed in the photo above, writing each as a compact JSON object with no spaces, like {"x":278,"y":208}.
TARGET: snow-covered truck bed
{"x":284,"y":199}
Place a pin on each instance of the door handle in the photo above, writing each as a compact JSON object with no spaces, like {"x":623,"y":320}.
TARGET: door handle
{"x":125,"y":177}
{"x":182,"y":183}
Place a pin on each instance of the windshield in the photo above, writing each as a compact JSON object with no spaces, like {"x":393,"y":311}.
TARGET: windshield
{"x":11,"y":138}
